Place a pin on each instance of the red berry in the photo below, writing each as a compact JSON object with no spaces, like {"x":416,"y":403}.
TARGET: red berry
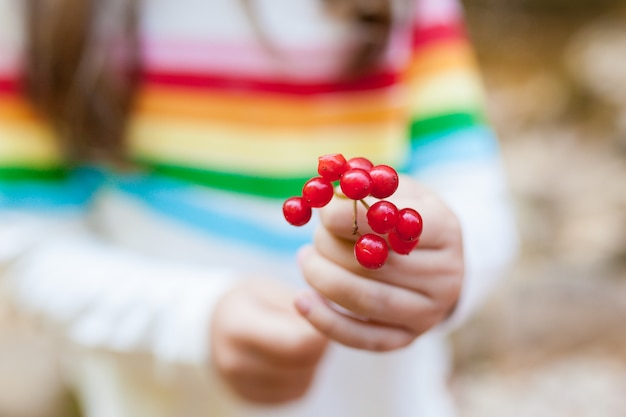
{"x":317,"y":192}
{"x":371,"y":251}
{"x":403,"y":247}
{"x":384,"y":181}
{"x":355,"y":183}
{"x":296,"y":211}
{"x":382,"y":216}
{"x":360,"y":162}
{"x":332,"y":166}
{"x":409,"y":226}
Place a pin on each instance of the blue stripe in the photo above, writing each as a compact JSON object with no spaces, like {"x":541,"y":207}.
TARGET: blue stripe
{"x":476,"y":143}
{"x":181,"y":202}
{"x":74,"y":191}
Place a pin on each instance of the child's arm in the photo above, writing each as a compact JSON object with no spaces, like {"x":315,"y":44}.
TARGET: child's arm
{"x":104,"y":297}
{"x":469,"y":231}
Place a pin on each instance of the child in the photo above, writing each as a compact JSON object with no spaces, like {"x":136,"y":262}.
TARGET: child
{"x":146,"y":150}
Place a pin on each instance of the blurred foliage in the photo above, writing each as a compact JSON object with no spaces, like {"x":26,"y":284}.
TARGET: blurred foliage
{"x":548,"y":51}
{"x":551,"y":68}
{"x":559,"y":7}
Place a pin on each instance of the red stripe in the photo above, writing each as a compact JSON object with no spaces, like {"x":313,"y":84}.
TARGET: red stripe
{"x":421,"y":36}
{"x":425,"y":35}
{"x":10,"y":86}
{"x":242,"y":84}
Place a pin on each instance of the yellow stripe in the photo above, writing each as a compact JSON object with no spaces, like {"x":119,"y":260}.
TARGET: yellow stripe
{"x":232,"y":148}
{"x":448,"y":92}
{"x":27,"y":144}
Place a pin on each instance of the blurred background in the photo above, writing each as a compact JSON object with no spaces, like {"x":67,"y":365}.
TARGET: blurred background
{"x":551,"y":340}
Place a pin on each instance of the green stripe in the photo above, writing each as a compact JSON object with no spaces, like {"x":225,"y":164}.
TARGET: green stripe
{"x":421,"y":128}
{"x":29,"y":174}
{"x":274,"y":187}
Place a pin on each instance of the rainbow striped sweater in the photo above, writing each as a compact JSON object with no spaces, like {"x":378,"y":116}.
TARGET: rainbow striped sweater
{"x":226,"y":113}
{"x":225,"y":128}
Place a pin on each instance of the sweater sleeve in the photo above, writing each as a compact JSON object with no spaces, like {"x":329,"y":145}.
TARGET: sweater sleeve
{"x":455,"y":151}
{"x":58,"y":270}
{"x":102,"y":296}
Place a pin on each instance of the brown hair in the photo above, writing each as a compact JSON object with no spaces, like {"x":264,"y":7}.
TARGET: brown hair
{"x":371,"y":22}
{"x":79,"y":88}
{"x":72,"y":81}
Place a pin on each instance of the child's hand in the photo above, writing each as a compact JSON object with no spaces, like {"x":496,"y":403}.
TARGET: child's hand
{"x":261,"y":346}
{"x":394,"y":304}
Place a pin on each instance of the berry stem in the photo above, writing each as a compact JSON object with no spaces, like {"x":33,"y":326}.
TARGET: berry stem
{"x":355,"y":226}
{"x":339,"y":194}
{"x":367,"y":206}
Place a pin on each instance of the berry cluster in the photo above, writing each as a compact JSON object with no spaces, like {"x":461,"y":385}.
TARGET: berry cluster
{"x":359,"y":178}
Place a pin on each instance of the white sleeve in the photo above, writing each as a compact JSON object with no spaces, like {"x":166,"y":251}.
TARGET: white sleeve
{"x":106,"y":297}
{"x":478,"y":194}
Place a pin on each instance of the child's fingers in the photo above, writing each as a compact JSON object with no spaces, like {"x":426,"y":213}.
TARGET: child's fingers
{"x":366,"y":297}
{"x":336,"y":249}
{"x":262,"y":391}
{"x":350,"y":331}
{"x":424,"y":270}
{"x":284,"y":340}
{"x":255,"y":366}
{"x":441,"y":227}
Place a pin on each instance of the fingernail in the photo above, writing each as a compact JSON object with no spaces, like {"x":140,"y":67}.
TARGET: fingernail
{"x":303,"y":303}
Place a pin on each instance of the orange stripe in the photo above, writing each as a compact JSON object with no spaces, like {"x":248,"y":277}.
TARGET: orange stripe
{"x":368,"y":107}
{"x":16,"y":108}
{"x":441,"y":57}
{"x":189,"y":104}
